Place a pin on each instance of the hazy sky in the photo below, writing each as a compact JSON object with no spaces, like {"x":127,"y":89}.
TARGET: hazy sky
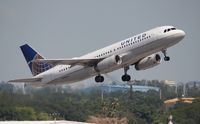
{"x":69,"y":28}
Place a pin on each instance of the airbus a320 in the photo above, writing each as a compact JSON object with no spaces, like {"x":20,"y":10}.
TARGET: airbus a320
{"x":140,"y":50}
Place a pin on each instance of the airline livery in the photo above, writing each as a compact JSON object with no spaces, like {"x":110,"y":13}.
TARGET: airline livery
{"x":140,"y":50}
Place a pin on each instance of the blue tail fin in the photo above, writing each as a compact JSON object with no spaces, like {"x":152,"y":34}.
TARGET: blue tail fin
{"x":30,"y":54}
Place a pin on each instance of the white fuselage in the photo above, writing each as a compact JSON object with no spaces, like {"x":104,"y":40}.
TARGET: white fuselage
{"x":131,"y":49}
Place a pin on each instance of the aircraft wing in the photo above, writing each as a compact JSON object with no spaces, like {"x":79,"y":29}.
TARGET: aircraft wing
{"x":26,"y":80}
{"x":84,"y":62}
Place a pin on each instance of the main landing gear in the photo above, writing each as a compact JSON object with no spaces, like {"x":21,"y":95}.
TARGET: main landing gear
{"x":99,"y":78}
{"x":126,"y":77}
{"x":166,"y":58}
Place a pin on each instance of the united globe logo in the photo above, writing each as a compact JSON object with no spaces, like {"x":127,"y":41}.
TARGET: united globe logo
{"x":39,"y":67}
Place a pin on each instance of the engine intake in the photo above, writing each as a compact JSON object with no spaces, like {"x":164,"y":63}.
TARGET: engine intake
{"x":148,"y":62}
{"x":108,"y":63}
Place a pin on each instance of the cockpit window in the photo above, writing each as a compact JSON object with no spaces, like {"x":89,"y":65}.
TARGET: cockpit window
{"x":173,"y":28}
{"x":169,"y":29}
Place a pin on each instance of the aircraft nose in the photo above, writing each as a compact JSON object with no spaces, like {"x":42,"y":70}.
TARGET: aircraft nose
{"x":181,"y":34}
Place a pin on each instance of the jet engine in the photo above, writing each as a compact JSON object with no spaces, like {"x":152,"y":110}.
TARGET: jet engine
{"x":148,"y":62}
{"x":108,"y":63}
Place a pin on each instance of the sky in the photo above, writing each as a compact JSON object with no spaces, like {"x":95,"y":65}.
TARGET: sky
{"x":71,"y":28}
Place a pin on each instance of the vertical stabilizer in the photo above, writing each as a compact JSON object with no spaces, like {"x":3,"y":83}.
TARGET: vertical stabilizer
{"x":30,"y":54}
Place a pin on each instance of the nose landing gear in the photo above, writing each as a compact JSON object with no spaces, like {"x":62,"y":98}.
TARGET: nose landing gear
{"x":166,"y":58}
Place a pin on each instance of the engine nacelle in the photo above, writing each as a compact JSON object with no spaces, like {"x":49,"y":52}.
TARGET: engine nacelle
{"x":108,"y":63}
{"x":148,"y":62}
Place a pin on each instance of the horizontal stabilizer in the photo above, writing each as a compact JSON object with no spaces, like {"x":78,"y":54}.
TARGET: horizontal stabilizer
{"x":26,"y":80}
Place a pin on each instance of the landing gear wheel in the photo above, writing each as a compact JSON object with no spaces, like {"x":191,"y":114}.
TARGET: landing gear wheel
{"x":166,"y":58}
{"x":102,"y":79}
{"x":99,"y":79}
{"x":126,"y":77}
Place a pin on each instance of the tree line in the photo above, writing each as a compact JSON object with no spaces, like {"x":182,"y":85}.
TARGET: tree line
{"x":48,"y":103}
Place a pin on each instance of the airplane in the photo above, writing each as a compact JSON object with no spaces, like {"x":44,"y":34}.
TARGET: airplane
{"x":140,"y":50}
